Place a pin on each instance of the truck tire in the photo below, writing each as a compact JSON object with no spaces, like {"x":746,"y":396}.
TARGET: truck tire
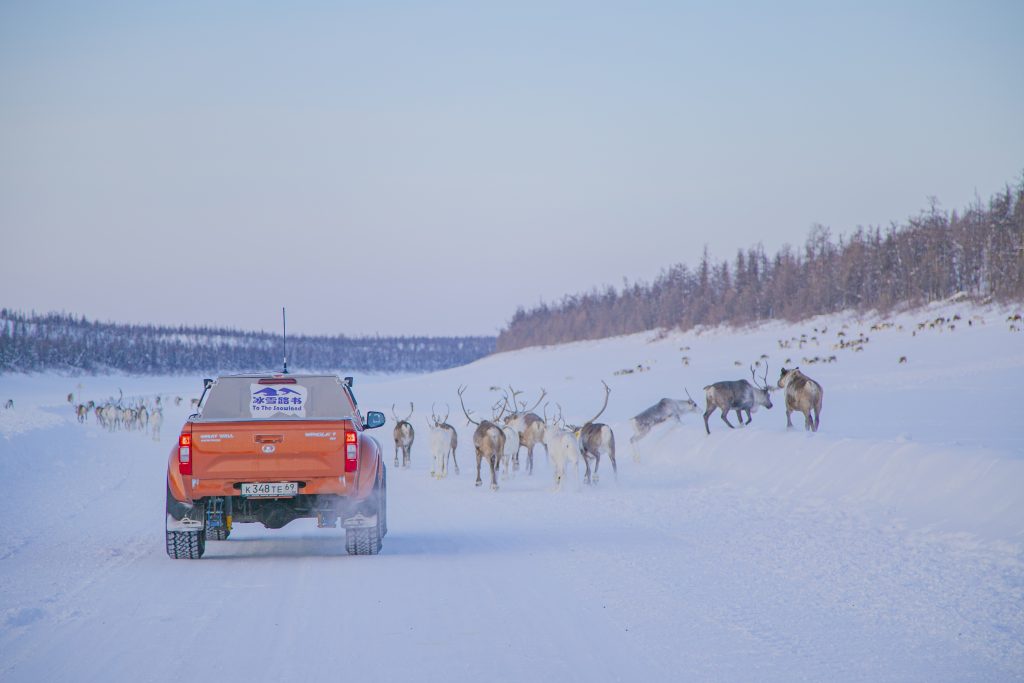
{"x":368,"y":540}
{"x":363,"y":541}
{"x":219,"y":534}
{"x":186,"y":545}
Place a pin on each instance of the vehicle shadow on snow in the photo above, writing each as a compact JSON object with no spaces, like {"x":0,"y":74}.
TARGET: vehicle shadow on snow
{"x":449,"y":543}
{"x":322,"y":545}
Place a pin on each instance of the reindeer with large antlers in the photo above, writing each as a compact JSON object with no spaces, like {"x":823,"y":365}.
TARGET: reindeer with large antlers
{"x":404,"y":435}
{"x":443,"y":442}
{"x":739,"y":395}
{"x":528,"y":424}
{"x":596,"y":439}
{"x":510,"y":453}
{"x":489,"y":443}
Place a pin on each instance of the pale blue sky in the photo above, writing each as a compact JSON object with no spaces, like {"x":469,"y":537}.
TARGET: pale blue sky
{"x":426,"y":167}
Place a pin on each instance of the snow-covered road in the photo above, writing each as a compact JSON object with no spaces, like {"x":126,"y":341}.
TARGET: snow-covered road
{"x":878,"y":549}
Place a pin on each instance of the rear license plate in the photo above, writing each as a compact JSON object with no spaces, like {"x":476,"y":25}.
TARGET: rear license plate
{"x":270,"y":489}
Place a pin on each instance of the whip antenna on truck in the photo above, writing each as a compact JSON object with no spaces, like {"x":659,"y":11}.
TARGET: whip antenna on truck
{"x":284,"y":339}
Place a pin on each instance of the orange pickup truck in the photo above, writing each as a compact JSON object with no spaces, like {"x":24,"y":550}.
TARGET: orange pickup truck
{"x":273,"y":448}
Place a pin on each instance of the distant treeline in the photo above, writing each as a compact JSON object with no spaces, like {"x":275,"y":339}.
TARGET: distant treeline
{"x":979,"y":251}
{"x":31,"y":342}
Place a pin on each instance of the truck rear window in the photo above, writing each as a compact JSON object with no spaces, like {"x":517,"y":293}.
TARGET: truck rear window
{"x":305,"y":398}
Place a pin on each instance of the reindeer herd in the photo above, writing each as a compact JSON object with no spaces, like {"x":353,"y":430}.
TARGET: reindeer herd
{"x":140,"y":414}
{"x":498,"y":440}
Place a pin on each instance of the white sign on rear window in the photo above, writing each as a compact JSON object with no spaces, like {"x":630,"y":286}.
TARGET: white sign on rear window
{"x":268,"y":399}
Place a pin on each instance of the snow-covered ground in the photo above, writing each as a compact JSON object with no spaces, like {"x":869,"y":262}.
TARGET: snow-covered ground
{"x":888,"y":546}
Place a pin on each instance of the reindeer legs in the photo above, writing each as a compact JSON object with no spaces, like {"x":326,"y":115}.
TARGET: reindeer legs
{"x":495,"y":462}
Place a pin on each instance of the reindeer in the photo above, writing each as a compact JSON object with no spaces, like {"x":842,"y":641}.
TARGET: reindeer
{"x":443,"y":442}
{"x":803,"y":394}
{"x":9,"y":404}
{"x":596,"y":438}
{"x":528,"y":424}
{"x":661,"y":411}
{"x":739,"y":395}
{"x":155,"y":422}
{"x":489,"y":443}
{"x":404,"y":435}
{"x":510,"y":454}
{"x":562,"y":446}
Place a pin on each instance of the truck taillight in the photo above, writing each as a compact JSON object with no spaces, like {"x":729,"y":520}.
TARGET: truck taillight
{"x":185,"y":454}
{"x":351,"y":452}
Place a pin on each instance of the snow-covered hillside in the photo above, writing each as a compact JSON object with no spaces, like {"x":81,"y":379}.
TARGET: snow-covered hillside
{"x":887,"y":546}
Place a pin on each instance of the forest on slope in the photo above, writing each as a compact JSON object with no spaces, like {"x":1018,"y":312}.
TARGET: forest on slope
{"x":32,"y":342}
{"x":977,"y":252}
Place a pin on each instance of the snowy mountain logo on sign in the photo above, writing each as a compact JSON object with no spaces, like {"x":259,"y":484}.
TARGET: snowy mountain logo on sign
{"x":266,"y":401}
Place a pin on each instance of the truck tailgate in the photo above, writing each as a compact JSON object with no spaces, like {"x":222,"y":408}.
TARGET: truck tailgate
{"x":268,"y":451}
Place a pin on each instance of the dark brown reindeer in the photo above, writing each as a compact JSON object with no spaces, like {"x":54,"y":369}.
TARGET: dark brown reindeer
{"x":529,"y":425}
{"x":739,"y":395}
{"x":488,"y":442}
{"x":596,"y":439}
{"x":404,"y":436}
{"x":803,"y":394}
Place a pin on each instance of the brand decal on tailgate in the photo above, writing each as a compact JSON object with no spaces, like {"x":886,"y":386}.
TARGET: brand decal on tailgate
{"x":266,"y":400}
{"x":215,"y":437}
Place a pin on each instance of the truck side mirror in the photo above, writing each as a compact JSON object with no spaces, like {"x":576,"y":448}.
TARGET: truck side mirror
{"x":207,"y":383}
{"x":374,"y":419}
{"x":349,"y":382}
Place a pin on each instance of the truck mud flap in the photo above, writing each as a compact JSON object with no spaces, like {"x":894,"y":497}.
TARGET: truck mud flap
{"x":184,"y":516}
{"x":360,"y":521}
{"x":190,"y":522}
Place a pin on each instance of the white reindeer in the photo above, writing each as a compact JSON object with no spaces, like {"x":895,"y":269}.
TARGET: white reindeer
{"x":528,"y":425}
{"x":562,"y":446}
{"x":511,"y":452}
{"x":156,"y":421}
{"x":443,"y":442}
